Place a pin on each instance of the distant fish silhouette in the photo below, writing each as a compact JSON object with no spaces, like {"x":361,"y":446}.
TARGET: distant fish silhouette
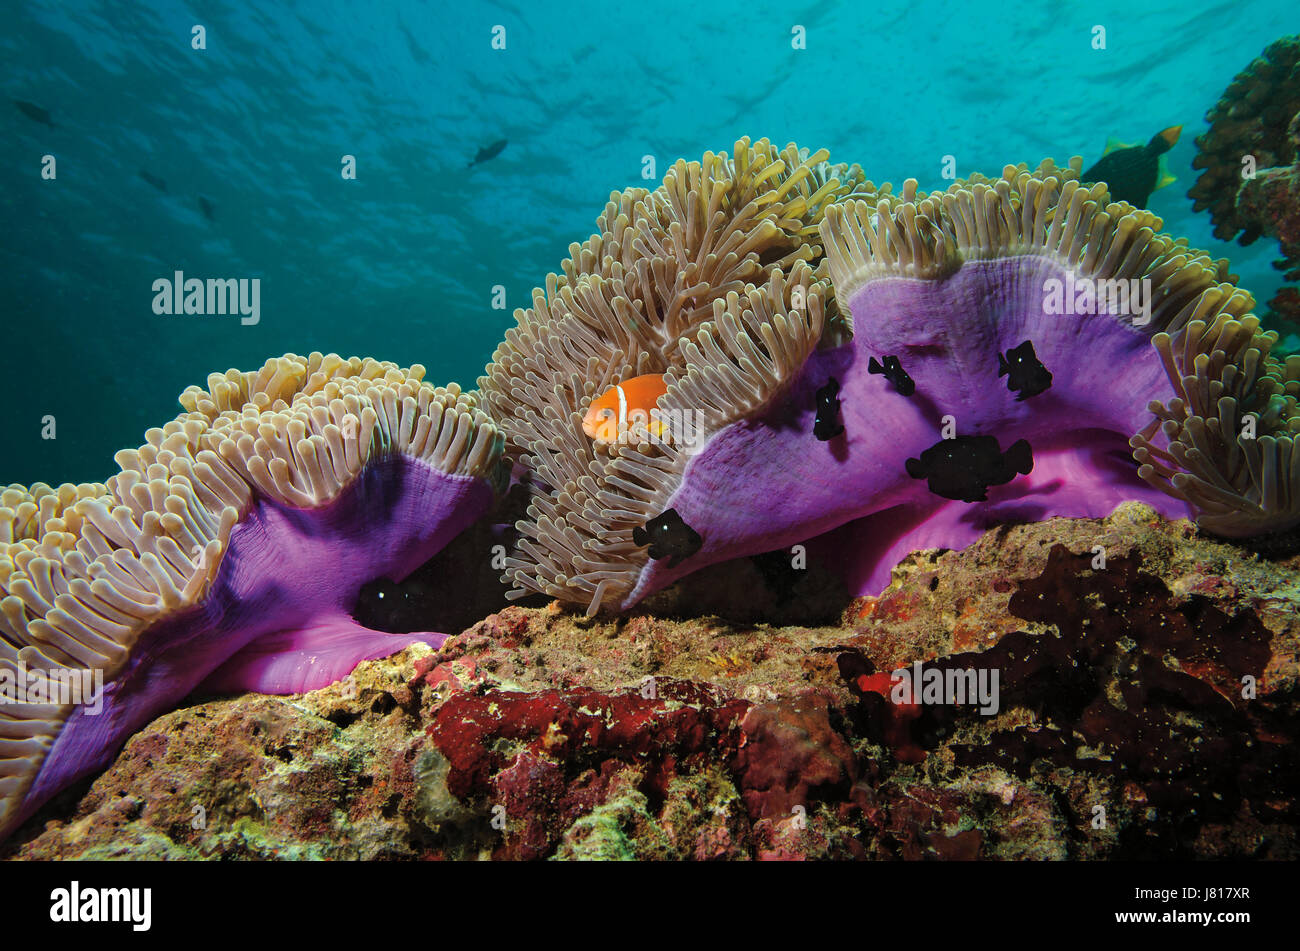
{"x":154,"y":180}
{"x":37,"y":114}
{"x":208,"y":210}
{"x":488,"y":152}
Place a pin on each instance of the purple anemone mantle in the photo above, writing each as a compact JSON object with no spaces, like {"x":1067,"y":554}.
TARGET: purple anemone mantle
{"x":767,"y":482}
{"x":276,"y":617}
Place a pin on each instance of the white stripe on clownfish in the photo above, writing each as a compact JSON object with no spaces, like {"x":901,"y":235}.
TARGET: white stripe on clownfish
{"x":622,"y":407}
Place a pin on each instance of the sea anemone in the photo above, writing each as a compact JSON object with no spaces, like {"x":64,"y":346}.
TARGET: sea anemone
{"x":228,"y":551}
{"x":718,"y":280}
{"x":709,"y":279}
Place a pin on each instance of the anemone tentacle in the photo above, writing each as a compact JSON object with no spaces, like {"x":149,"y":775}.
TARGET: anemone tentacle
{"x":90,"y":574}
{"x":747,"y":298}
{"x":696,"y":280}
{"x":1216,"y":356}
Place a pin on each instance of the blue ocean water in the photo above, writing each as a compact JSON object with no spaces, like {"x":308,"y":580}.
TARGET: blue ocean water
{"x":401,"y":262}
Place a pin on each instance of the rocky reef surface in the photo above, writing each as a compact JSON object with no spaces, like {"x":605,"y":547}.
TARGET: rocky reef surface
{"x":1146,"y":704}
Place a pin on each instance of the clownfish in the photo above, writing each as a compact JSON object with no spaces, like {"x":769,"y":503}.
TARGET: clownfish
{"x":629,"y":402}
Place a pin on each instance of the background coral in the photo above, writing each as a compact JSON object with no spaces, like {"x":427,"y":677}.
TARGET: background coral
{"x":1256,"y":116}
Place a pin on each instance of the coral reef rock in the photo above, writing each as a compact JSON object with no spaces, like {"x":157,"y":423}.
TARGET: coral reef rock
{"x":1250,"y":163}
{"x":1147,"y":684}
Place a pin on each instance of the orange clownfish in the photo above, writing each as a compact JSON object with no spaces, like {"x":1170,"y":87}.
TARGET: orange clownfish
{"x":626,"y":404}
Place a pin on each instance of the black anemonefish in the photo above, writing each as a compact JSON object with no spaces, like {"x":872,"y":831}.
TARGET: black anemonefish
{"x":1026,"y":375}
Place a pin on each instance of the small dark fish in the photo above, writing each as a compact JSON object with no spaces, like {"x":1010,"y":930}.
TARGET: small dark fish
{"x":34,"y":112}
{"x":154,"y":180}
{"x":963,"y":468}
{"x":1025,"y":375}
{"x":826,"y":425}
{"x":208,"y":210}
{"x":894,"y":373}
{"x":668,"y":537}
{"x":1133,"y":173}
{"x":488,"y":152}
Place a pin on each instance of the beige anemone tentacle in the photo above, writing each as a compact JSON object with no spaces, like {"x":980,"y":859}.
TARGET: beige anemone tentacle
{"x":86,"y":569}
